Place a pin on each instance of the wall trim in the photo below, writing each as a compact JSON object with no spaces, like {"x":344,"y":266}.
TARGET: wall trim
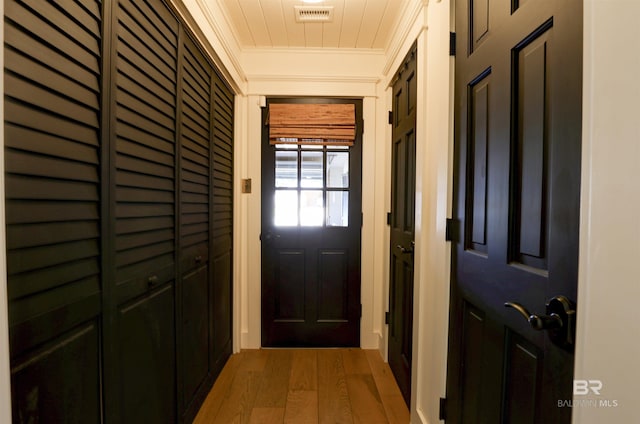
{"x":314,"y":78}
{"x":5,"y":367}
{"x":409,"y":16}
{"x":229,"y":65}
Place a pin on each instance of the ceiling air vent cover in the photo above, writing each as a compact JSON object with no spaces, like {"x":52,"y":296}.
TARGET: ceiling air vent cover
{"x":314,"y":13}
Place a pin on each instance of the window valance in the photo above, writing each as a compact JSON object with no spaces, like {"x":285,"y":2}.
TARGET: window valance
{"x":308,"y":123}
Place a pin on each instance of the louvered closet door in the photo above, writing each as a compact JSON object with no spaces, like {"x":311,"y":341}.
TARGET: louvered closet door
{"x":145,"y":215}
{"x":222,"y":229}
{"x":52,"y":133}
{"x":194,"y":225}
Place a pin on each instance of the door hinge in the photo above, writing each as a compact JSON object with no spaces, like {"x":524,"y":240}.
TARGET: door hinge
{"x":361,"y":310}
{"x":390,"y":117}
{"x":387,"y":317}
{"x":388,"y":218}
{"x":452,"y":44}
{"x":361,"y":219}
{"x":442,"y":414}
{"x":449,"y":231}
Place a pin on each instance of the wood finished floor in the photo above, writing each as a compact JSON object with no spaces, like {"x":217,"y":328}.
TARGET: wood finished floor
{"x":305,"y":386}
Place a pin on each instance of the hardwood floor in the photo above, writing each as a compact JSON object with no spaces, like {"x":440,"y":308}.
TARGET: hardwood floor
{"x":305,"y":386}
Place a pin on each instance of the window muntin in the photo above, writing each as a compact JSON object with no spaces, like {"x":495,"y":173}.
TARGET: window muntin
{"x":311,"y":186}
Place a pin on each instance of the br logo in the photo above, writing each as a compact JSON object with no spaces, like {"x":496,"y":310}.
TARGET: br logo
{"x":584,"y":387}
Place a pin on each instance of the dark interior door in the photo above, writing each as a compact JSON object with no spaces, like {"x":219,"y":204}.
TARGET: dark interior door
{"x":518,"y":125}
{"x":52,"y":161}
{"x":144,"y":160}
{"x":403,"y":191}
{"x":311,"y":221}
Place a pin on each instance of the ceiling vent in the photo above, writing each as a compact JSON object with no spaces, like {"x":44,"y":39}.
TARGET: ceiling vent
{"x":314,"y":13}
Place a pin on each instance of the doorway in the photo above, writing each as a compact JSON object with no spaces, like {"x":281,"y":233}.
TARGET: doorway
{"x":402,"y":221}
{"x":311,"y":225}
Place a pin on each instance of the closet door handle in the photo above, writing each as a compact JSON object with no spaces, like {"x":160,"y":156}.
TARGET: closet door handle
{"x":152,"y":281}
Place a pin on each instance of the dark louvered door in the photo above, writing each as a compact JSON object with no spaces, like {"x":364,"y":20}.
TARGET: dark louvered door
{"x":119,"y":174}
{"x":222,"y":222}
{"x":52,"y":133}
{"x":144,"y":167}
{"x":195,"y":290}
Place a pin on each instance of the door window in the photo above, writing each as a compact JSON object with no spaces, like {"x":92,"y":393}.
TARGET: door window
{"x":311,"y":185}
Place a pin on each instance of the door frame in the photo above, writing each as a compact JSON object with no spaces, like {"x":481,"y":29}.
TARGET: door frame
{"x":434,"y":162}
{"x":354,"y":294}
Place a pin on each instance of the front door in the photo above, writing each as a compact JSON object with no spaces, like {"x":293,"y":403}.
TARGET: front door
{"x":403,"y":190}
{"x":516,"y":210}
{"x":311,"y":221}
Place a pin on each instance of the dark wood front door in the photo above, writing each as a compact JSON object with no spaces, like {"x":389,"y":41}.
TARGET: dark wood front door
{"x":403,"y":190}
{"x":516,"y":206}
{"x":311,"y":221}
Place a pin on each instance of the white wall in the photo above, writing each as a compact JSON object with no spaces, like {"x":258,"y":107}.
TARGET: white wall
{"x":5,"y":389}
{"x":608,"y":346}
{"x":433,"y":200}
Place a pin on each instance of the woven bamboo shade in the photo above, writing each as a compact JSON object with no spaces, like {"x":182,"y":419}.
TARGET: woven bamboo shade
{"x":304,"y":123}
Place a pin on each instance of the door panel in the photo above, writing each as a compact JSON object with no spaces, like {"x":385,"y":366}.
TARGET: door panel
{"x":195,"y":289}
{"x":144,"y":168}
{"x":403,"y":224}
{"x":222,"y":164}
{"x":147,"y":357}
{"x":516,"y":190}
{"x":195,"y":331}
{"x":52,"y":161}
{"x":311,"y":220}
{"x":332,"y":285}
{"x":59,"y":380}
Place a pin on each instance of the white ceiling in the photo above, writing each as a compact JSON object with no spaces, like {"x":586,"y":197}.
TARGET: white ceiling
{"x":357,"y":24}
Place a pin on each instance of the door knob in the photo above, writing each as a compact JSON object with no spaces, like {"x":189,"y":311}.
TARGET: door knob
{"x":538,"y":322}
{"x":559,"y":321}
{"x":268,"y":236}
{"x":404,"y":249}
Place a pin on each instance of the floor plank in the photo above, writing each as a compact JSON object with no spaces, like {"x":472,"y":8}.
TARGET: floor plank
{"x":334,"y":405}
{"x":238,"y":405}
{"x":355,"y":361}
{"x":218,"y":392}
{"x":274,"y":384}
{"x":392,"y":399}
{"x":302,"y":407}
{"x":366,"y":404}
{"x":304,"y":386}
{"x":267,"y":416}
{"x":304,"y":370}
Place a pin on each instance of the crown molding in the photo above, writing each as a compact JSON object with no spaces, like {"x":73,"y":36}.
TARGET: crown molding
{"x":212,"y":34}
{"x":314,"y":78}
{"x":405,"y":25}
{"x":314,"y":50}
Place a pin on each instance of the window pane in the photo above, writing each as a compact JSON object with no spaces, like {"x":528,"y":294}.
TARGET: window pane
{"x":338,"y":169}
{"x":286,"y":169}
{"x":311,"y":208}
{"x":313,"y":146}
{"x":312,"y":170}
{"x":286,"y":213}
{"x":287,"y":146}
{"x":338,"y":209}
